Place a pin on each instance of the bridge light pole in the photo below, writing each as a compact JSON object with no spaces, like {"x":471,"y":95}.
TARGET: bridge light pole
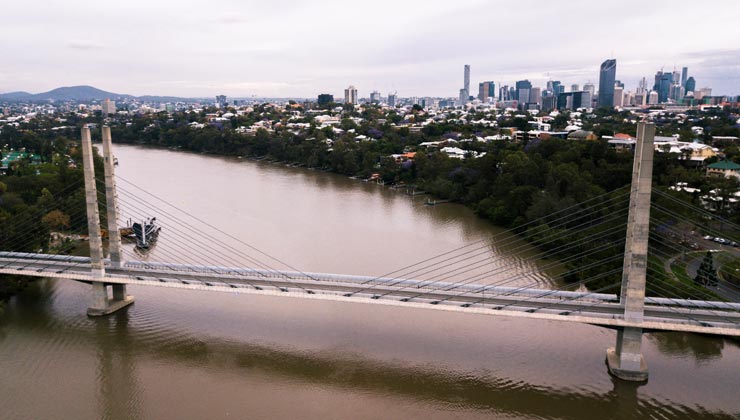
{"x":100,"y":302}
{"x":625,"y":361}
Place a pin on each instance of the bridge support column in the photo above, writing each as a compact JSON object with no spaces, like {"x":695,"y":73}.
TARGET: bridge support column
{"x":100,"y":304}
{"x":625,"y":361}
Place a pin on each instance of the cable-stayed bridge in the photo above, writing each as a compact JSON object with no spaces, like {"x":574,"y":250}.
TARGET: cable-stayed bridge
{"x":599,"y":259}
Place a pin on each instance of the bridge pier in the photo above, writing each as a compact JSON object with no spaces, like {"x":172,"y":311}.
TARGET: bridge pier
{"x":100,"y":303}
{"x":625,"y":361}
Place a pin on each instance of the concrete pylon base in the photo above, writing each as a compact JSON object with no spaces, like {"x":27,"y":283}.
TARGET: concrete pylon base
{"x":613,"y":363}
{"x":113,"y":305}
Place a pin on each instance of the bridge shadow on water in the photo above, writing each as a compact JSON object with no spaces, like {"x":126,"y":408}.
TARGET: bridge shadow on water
{"x":119,"y":346}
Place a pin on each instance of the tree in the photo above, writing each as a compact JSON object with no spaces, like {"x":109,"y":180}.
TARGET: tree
{"x":707,"y":275}
{"x":55,"y":219}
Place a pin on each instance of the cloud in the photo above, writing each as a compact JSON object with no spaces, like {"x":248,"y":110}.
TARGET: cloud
{"x":84,"y":45}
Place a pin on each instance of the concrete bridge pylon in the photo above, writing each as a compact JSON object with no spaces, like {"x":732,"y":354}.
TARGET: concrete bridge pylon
{"x":625,"y":360}
{"x":101,"y":303}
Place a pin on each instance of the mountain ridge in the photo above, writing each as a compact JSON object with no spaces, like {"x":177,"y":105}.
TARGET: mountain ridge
{"x":78,"y":93}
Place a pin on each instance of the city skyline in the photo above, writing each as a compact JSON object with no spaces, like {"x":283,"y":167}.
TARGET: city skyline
{"x":181,"y":51}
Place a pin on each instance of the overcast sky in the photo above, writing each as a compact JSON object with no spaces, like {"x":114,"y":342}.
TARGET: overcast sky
{"x":281,"y":48}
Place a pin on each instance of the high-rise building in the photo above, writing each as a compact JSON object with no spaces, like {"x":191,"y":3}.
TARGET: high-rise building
{"x":690,"y":84}
{"x":503,"y":93}
{"x":466,"y":79}
{"x":325,"y":99}
{"x":589,"y":87}
{"x":392,"y":99}
{"x":549,"y":103}
{"x":522,"y":91}
{"x":464,"y":97}
{"x":375,"y":97}
{"x":350,"y":95}
{"x":220,"y":101}
{"x":676,"y":77}
{"x":108,"y":107}
{"x":684,"y":75}
{"x":535,"y":96}
{"x":677,"y":92}
{"x":642,"y":86}
{"x":618,"y":96}
{"x":653,"y":98}
{"x":555,"y":87}
{"x":486,"y":90}
{"x":574,"y":100}
{"x":575,"y":87}
{"x":607,"y":75}
{"x":663,"y":83}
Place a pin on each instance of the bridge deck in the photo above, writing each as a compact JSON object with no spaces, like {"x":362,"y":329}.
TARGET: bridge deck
{"x":600,"y":309}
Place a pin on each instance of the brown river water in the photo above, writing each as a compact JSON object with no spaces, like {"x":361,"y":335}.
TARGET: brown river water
{"x":178,"y":354}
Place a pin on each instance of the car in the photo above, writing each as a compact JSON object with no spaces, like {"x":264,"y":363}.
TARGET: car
{"x":709,"y":238}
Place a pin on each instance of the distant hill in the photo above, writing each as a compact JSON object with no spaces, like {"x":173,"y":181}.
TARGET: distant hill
{"x":79,"y":93}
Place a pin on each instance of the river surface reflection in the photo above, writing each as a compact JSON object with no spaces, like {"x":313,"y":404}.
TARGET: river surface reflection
{"x":180,"y":354}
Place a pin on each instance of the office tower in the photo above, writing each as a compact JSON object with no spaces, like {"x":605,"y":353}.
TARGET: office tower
{"x":663,"y":82}
{"x":641,"y":98}
{"x":535,"y":96}
{"x":653,"y":97}
{"x":325,"y":98}
{"x":590,"y":88}
{"x":463,"y":97}
{"x":486,"y":90}
{"x":574,"y":87}
{"x":555,"y":87}
{"x":586,"y":99}
{"x":220,"y":101}
{"x":677,"y":92}
{"x":618,"y":96}
{"x":375,"y":97}
{"x":392,"y":99}
{"x":109,"y":107}
{"x":350,"y":95}
{"x":466,"y":79}
{"x":642,"y":86}
{"x":549,"y":103}
{"x":574,"y":100}
{"x":607,"y":75}
{"x":522,"y":91}
{"x":618,"y":83}
{"x":676,"y":77}
{"x":684,"y":75}
{"x":690,"y":84}
{"x":503,"y":93}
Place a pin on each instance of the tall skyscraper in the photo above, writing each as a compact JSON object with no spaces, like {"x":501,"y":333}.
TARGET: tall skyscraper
{"x":350,"y":95}
{"x":690,"y":84}
{"x":663,"y":83}
{"x":522,"y":91}
{"x":535,"y":96}
{"x":220,"y":101}
{"x":607,"y":74}
{"x":590,"y":88}
{"x":392,"y":99}
{"x":463,"y":97}
{"x":486,"y":90}
{"x":375,"y":97}
{"x":618,"y":96}
{"x":684,"y":75}
{"x":466,"y":79}
{"x":574,"y":87}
